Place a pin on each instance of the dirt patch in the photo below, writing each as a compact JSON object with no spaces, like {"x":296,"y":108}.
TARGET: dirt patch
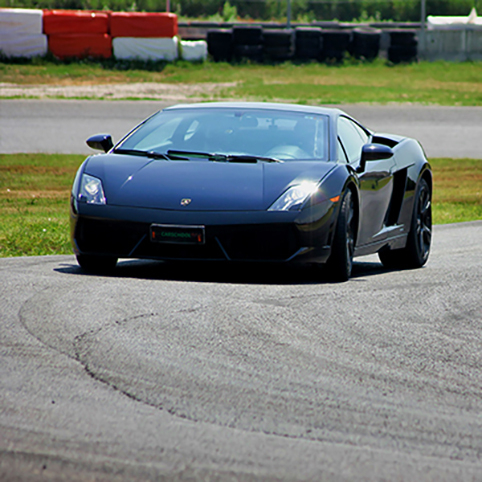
{"x":135,"y":90}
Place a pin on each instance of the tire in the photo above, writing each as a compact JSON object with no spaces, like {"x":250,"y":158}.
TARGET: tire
{"x":335,"y":44}
{"x":248,"y":35}
{"x":96,"y":264}
{"x":307,"y":52}
{"x":251,"y":52}
{"x":220,"y":45}
{"x":401,"y":53}
{"x":305,"y":33}
{"x":403,"y":37}
{"x":308,"y":43}
{"x":419,"y":241}
{"x":365,"y":43}
{"x":279,"y":45}
{"x":340,"y":263}
{"x":278,"y":38}
{"x":278,"y":53}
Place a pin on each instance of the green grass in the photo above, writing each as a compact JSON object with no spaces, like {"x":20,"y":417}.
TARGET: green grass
{"x":35,"y":192}
{"x":440,"y":83}
{"x":457,"y":190}
{"x":34,"y":198}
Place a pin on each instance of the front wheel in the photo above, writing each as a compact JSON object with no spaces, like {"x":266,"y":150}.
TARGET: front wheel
{"x":340,"y":262}
{"x":419,"y":240}
{"x":96,"y":264}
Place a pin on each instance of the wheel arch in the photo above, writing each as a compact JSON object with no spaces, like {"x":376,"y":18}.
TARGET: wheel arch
{"x":426,"y":174}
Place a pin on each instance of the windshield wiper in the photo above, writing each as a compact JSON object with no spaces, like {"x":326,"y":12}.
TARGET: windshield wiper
{"x":137,"y":152}
{"x":248,"y":158}
{"x":186,"y":155}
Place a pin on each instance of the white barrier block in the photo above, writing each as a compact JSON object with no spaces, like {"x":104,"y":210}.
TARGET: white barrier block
{"x":23,"y":45}
{"x":129,"y":48}
{"x":194,"y":50}
{"x":20,"y":21}
{"x":454,"y":23}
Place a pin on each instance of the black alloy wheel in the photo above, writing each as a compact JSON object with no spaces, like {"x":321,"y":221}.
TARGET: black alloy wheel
{"x":340,"y":262}
{"x":419,"y":241}
{"x":422,"y":224}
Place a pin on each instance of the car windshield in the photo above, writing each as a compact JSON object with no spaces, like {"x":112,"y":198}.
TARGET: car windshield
{"x":272,"y":134}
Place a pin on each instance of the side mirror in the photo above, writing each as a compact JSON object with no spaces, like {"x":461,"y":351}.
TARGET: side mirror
{"x":101,"y":142}
{"x":373,"y":152}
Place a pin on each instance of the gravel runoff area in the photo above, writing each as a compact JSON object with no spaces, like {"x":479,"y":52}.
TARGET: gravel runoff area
{"x":134,"y":90}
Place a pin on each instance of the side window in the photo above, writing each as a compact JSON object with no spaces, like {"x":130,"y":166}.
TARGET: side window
{"x":352,"y":137}
{"x":362,"y":133}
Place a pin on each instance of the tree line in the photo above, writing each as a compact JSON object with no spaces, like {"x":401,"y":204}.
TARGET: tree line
{"x":266,"y":10}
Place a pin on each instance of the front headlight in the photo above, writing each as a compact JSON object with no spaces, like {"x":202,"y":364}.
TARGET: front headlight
{"x":294,"y":197}
{"x":91,"y":190}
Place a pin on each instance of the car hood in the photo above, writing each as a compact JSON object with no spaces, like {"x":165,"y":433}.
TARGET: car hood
{"x":210,"y":186}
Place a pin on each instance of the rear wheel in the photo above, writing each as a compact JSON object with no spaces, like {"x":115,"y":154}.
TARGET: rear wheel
{"x":419,"y":241}
{"x":96,"y":264}
{"x":340,"y":262}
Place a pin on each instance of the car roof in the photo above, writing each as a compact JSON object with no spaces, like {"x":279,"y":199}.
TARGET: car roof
{"x":263,"y":106}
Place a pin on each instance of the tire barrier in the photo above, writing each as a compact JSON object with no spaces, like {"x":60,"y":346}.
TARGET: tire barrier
{"x":80,"y":46}
{"x":335,"y":44}
{"x":248,"y":43}
{"x":80,"y":34}
{"x":279,"y":44}
{"x":308,"y":43}
{"x":21,"y":21}
{"x":141,"y":24}
{"x":57,"y":22}
{"x":23,"y":45}
{"x":21,"y":33}
{"x":193,"y":50}
{"x":77,"y":34}
{"x":365,"y":43}
{"x":302,"y":43}
{"x":142,"y":48}
{"x":220,"y":44}
{"x":403,"y":46}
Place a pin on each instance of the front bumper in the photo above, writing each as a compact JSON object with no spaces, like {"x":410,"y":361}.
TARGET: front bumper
{"x":230,"y":236}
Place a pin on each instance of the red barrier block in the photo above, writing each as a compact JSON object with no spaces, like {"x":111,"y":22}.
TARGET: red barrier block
{"x":81,"y":46}
{"x":75,"y":21}
{"x":143,"y":24}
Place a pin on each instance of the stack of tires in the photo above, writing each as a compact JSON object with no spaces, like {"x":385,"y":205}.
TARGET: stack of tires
{"x":220,"y":44}
{"x":302,"y":43}
{"x":279,"y":44}
{"x":365,"y":43}
{"x":248,"y":42}
{"x":335,"y":44}
{"x":308,"y":43}
{"x":403,"y":46}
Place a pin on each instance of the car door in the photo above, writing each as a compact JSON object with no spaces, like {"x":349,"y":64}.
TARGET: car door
{"x":376,"y":182}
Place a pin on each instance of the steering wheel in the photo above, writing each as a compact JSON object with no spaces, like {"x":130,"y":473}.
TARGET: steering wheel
{"x":285,"y":152}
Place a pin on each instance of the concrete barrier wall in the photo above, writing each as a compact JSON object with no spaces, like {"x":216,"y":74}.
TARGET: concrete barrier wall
{"x":456,"y":45}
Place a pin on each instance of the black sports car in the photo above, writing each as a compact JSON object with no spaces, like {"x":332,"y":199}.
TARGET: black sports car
{"x":246,"y":182}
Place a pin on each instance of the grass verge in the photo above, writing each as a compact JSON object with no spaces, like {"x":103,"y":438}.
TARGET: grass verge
{"x":441,"y":83}
{"x":35,"y":191}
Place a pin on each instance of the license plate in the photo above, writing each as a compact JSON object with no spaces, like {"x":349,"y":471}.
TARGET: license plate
{"x":173,"y":234}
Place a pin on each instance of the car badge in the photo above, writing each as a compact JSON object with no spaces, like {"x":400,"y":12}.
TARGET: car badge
{"x":186,"y":201}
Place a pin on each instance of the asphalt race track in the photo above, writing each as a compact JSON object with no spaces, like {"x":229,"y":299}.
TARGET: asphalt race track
{"x":63,"y":125}
{"x":198,"y":373}
{"x":167,"y":372}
